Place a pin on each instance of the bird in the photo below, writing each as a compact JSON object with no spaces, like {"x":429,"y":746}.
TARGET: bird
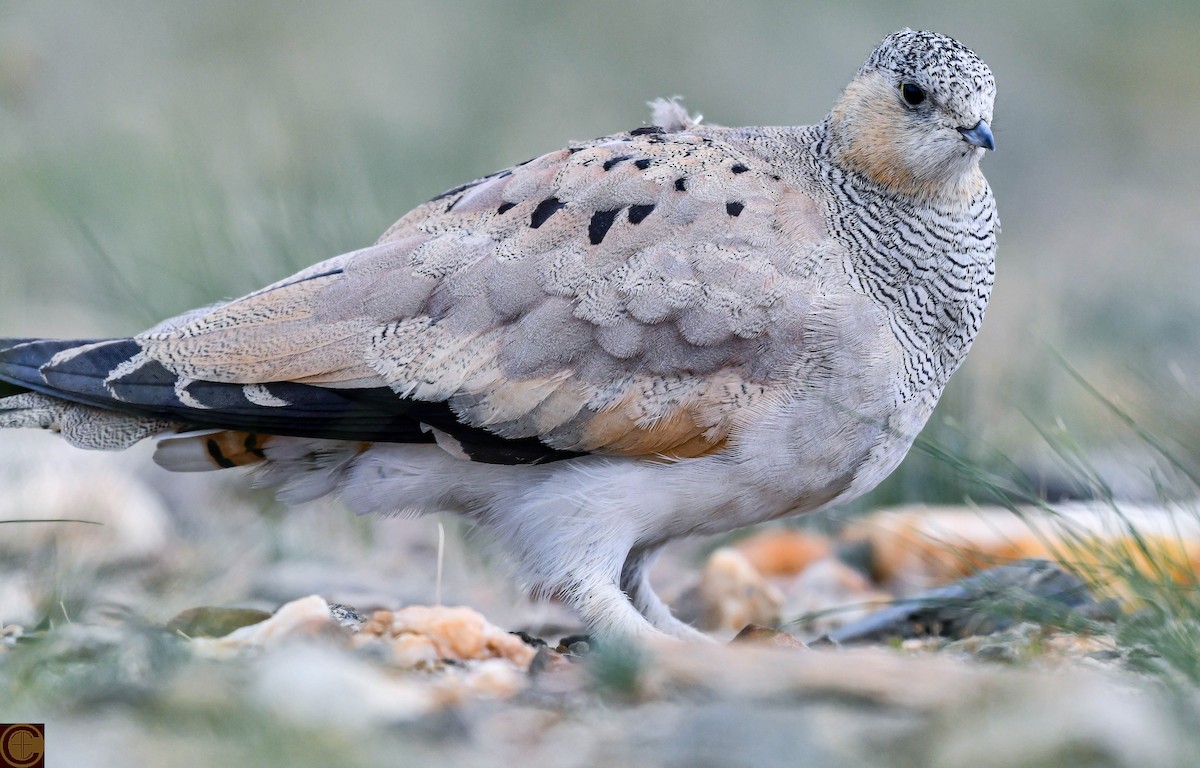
{"x":677,"y":330}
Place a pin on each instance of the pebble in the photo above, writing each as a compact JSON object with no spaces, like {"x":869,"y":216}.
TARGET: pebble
{"x":207,"y":621}
{"x":306,"y":618}
{"x":784,"y":552}
{"x":732,"y":593}
{"x":424,"y":634}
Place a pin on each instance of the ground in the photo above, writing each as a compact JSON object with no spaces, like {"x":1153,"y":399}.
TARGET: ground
{"x":105,"y":628}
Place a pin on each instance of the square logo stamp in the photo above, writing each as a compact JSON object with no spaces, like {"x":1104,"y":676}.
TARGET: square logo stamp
{"x":22,"y":745}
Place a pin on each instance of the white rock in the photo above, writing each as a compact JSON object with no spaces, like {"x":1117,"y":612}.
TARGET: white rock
{"x":299,"y":618}
{"x":312,"y":684}
{"x":734,"y":594}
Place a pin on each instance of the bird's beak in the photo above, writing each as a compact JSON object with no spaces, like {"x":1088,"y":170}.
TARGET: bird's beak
{"x":980,"y":135}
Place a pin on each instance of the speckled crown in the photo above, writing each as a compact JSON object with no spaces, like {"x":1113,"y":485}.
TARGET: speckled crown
{"x":938,"y":57}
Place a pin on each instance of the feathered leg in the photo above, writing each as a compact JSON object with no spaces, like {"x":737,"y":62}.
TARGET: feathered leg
{"x":635,"y":581}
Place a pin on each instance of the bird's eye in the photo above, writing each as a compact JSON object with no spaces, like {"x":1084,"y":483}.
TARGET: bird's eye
{"x":913,"y":95}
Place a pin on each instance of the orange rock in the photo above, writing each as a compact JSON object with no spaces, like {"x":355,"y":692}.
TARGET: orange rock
{"x":784,"y":552}
{"x":917,"y":547}
{"x":733,"y":593}
{"x":426,"y":633}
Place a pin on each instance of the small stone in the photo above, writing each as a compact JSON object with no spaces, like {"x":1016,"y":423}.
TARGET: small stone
{"x":543,"y":661}
{"x":214,"y":622}
{"x":732,"y":594}
{"x":494,"y":678}
{"x":996,"y":652}
{"x":378,"y":623}
{"x":307,"y":617}
{"x":784,"y":552}
{"x":756,"y":634}
{"x":530,"y":640}
{"x":424,"y":634}
{"x":576,"y":645}
{"x":346,"y":617}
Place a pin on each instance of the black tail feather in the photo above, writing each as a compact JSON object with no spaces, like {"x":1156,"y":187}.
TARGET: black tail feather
{"x":147,"y":388}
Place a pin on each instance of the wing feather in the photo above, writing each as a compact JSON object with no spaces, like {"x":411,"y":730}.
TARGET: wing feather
{"x":627,"y":295}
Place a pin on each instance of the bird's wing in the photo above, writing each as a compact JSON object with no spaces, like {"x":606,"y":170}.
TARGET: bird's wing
{"x":629,"y":295}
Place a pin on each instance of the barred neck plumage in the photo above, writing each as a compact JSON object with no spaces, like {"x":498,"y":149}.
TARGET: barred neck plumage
{"x":930,"y":261}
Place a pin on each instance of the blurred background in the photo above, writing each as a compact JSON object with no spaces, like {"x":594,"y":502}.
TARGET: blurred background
{"x":159,"y":156}
{"x":155,"y":157}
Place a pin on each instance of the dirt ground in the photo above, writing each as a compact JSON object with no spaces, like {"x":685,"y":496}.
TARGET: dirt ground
{"x":94,"y":646}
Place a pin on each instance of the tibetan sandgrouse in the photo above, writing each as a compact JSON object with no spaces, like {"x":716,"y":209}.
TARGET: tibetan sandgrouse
{"x":678,"y":330}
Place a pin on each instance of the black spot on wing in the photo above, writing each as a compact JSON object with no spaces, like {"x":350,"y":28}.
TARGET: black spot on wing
{"x":739,"y":168}
{"x":218,"y":396}
{"x":639,"y":212}
{"x":610,"y":163}
{"x":681,"y":184}
{"x":545,"y":210}
{"x":376,"y":414}
{"x":599,"y":225}
{"x":646,"y":130}
{"x":642,"y":164}
{"x":734,"y":208}
{"x":505,"y":207}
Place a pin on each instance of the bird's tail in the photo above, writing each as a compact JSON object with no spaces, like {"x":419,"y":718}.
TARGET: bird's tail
{"x":76,"y":406}
{"x":108,"y":394}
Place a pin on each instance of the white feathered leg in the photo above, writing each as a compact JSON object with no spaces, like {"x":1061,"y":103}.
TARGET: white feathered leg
{"x":566,"y":528}
{"x":635,"y":581}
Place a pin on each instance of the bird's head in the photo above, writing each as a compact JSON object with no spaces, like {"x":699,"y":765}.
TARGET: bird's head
{"x":917,"y":116}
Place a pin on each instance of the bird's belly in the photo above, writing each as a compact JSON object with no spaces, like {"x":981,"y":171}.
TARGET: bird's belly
{"x":805,"y":456}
